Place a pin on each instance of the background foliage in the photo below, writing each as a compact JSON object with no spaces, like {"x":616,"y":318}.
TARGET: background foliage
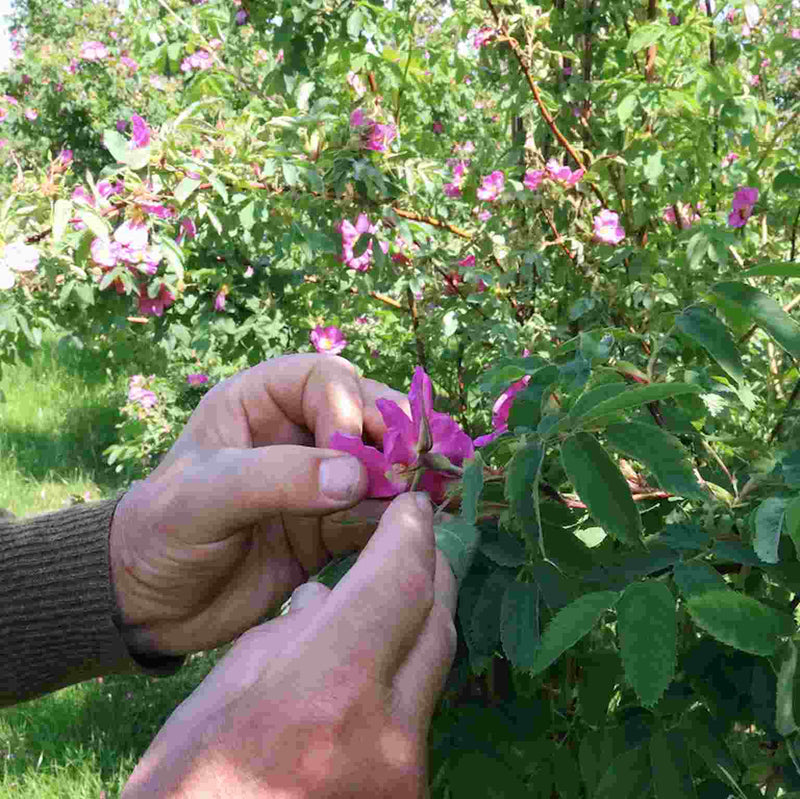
{"x":583,"y":212}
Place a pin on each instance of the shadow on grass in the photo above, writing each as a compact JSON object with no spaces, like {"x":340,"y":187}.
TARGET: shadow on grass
{"x":111,"y":722}
{"x":75,"y":446}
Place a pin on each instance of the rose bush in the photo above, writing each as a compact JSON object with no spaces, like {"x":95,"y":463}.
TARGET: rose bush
{"x":611,"y":187}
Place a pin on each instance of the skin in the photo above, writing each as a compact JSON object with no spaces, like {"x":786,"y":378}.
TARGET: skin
{"x":333,"y":699}
{"x":235,"y":516}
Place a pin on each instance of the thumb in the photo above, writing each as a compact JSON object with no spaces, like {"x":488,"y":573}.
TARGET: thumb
{"x":234,"y":487}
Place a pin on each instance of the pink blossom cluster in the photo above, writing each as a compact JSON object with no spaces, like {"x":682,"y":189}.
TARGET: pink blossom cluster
{"x":17,"y":257}
{"x":373,"y":135}
{"x":743,"y":201}
{"x":139,"y":395}
{"x":425,"y":451}
{"x":328,"y":340}
{"x":491,"y":186}
{"x":197,"y":379}
{"x":459,"y":169}
{"x":129,"y":244}
{"x":93,"y":50}
{"x":607,"y":228}
{"x":199,"y":59}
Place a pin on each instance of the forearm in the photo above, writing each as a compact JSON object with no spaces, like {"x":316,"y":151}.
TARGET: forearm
{"x":57,"y":605}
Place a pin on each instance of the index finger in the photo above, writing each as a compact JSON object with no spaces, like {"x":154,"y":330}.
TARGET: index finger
{"x":295,"y":399}
{"x":375,"y":614}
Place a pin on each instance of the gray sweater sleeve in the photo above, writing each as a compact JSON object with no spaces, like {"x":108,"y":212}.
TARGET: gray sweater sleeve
{"x":57,"y":606}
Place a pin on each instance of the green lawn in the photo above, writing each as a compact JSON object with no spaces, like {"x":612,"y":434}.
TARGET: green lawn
{"x":57,"y":417}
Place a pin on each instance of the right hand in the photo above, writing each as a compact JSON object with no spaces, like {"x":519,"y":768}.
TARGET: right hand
{"x":335,"y":698}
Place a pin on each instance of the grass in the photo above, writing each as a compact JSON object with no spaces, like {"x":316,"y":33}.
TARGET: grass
{"x":57,"y":417}
{"x":82,"y":742}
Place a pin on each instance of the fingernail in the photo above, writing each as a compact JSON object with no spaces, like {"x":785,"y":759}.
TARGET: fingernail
{"x":306,"y":594}
{"x":423,"y":501}
{"x":339,"y":478}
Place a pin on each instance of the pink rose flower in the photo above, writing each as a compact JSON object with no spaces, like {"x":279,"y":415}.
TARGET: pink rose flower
{"x":155,"y":306}
{"x":533,"y":179}
{"x":31,"y":114}
{"x":350,"y":235}
{"x":140,"y":132}
{"x":467,"y":262}
{"x":563,"y":174}
{"x":197,"y":379}
{"x":500,"y":411}
{"x":328,"y":340}
{"x":428,"y":440}
{"x":607,"y":228}
{"x":742,"y":207}
{"x":220,"y":299}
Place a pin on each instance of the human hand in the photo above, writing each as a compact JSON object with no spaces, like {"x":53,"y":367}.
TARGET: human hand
{"x":335,"y":698}
{"x":232,"y":520}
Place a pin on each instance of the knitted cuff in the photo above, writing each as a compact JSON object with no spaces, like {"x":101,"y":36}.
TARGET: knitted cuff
{"x":57,"y":605}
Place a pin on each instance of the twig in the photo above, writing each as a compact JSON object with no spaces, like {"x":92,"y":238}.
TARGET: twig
{"x":412,"y":307}
{"x":559,"y":240}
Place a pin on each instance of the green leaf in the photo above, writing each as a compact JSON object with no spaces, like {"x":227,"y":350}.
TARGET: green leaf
{"x":704,"y":328}
{"x":632,"y":397}
{"x":787,"y":269}
{"x":661,"y":452}
{"x":219,"y":188}
{"x":739,"y":620}
{"x":644,"y":36}
{"x":520,"y":475}
{"x":669,"y":757}
{"x":62,"y":211}
{"x":768,"y":522}
{"x":589,"y":399}
{"x":458,"y":540}
{"x":336,"y":569}
{"x":647,"y":629}
{"x":712,"y":750}
{"x":557,"y":589}
{"x":601,"y":486}
{"x":484,"y":626}
{"x":784,"y":704}
{"x":355,"y":22}
{"x":765,"y":312}
{"x":95,"y":223}
{"x":185,"y":188}
{"x":627,"y":106}
{"x":519,"y":624}
{"x":787,"y":180}
{"x":694,"y":578}
{"x":472,"y":483}
{"x":504,"y":550}
{"x":792,"y":521}
{"x":570,"y":624}
{"x":117,"y":145}
{"x":627,"y":777}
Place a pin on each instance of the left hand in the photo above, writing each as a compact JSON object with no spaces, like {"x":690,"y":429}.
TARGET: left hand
{"x":234,"y":517}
